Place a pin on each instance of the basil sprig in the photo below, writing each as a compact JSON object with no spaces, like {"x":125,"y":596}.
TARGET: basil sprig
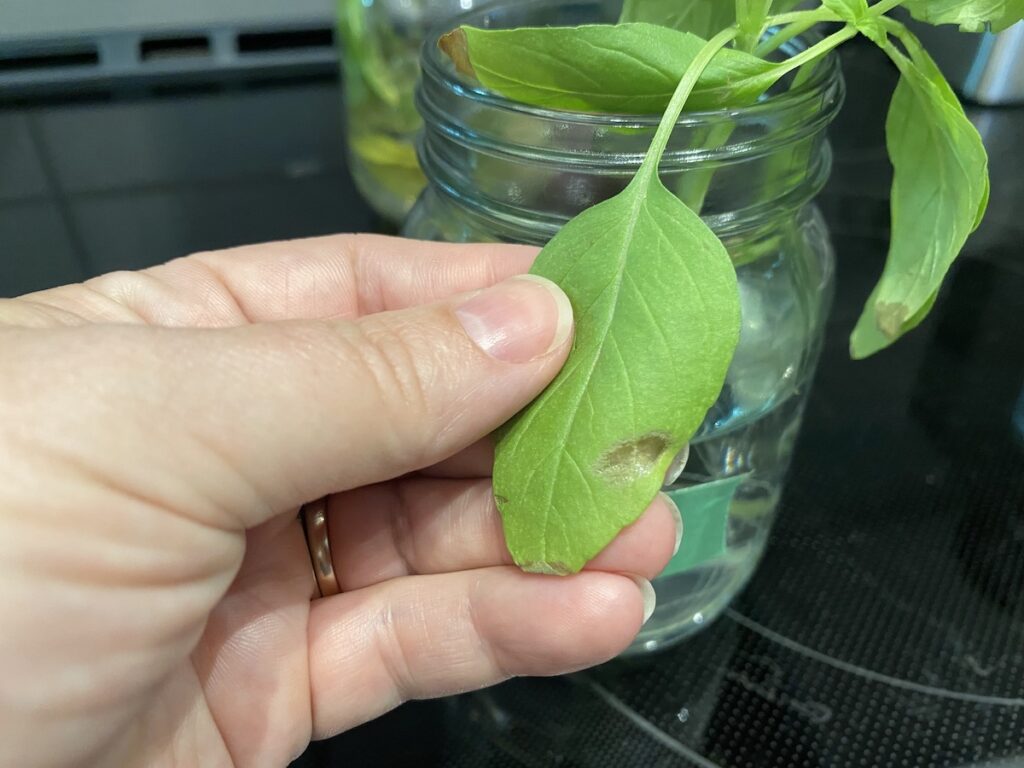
{"x":657,"y":307}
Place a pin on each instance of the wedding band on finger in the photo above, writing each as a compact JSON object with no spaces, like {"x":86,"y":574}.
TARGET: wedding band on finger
{"x":314,"y":522}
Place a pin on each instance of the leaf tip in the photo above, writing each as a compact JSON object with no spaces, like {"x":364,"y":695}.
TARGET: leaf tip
{"x":455,"y":45}
{"x":859,"y":350}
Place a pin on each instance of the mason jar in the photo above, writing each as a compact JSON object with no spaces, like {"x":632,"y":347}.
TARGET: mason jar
{"x":381,"y":42}
{"x":500,"y":170}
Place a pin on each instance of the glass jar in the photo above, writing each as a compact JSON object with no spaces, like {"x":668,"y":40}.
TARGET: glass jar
{"x":503,"y":171}
{"x":381,"y":47}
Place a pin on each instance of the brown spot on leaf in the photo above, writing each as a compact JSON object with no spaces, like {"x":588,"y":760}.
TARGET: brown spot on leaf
{"x":891,"y":317}
{"x":632,"y":459}
{"x":456,"y":46}
{"x":500,"y":501}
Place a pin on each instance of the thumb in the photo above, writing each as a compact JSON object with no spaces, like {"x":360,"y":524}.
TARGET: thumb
{"x":236,"y":425}
{"x":399,"y":391}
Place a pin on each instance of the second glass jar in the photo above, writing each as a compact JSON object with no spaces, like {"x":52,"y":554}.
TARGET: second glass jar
{"x":381,"y":48}
{"x":500,"y":170}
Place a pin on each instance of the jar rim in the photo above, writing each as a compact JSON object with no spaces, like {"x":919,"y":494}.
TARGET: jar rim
{"x":438,"y":67}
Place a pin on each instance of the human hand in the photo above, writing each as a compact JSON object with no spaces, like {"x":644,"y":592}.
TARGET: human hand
{"x":159,"y":430}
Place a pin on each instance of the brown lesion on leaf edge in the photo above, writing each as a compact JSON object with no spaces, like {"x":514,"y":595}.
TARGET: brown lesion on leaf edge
{"x":632,"y":459}
{"x":456,"y":46}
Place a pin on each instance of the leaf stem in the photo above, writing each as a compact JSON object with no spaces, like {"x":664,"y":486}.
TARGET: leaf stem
{"x":794,"y":28}
{"x":781,"y":19}
{"x":750,"y":18}
{"x":675,"y":106}
{"x":899,"y":31}
{"x":810,"y":54}
{"x":884,"y":6}
{"x":693,"y":185}
{"x":803,"y":75}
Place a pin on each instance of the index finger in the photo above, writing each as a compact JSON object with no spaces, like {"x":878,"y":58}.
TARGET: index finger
{"x":333,"y":277}
{"x":346,"y":276}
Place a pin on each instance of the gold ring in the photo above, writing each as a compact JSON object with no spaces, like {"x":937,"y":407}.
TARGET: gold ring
{"x":314,"y":521}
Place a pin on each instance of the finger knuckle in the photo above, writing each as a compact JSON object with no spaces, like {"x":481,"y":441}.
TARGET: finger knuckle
{"x":394,"y":658}
{"x":401,"y":371}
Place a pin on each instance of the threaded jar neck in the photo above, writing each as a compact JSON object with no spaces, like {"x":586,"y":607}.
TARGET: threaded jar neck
{"x":524,"y":171}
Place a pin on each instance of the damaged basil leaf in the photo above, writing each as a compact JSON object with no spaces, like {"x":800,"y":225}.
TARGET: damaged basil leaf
{"x":657,"y":320}
{"x":621,"y":69}
{"x":939,"y":193}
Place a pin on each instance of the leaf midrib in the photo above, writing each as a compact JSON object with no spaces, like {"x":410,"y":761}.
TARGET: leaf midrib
{"x":639,"y":200}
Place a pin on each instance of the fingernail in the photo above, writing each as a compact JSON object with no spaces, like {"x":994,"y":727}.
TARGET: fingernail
{"x":647,"y":592}
{"x":518,"y":320}
{"x":677,"y":466}
{"x":674,"y":509}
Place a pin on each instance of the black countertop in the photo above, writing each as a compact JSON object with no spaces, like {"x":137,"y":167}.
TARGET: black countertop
{"x":885,"y":626}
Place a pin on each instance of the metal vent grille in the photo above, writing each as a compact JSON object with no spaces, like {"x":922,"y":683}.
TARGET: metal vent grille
{"x":144,"y":54}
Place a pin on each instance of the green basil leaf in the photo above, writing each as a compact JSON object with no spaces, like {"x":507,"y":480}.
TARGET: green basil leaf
{"x":624,"y":68}
{"x":970,"y":15}
{"x":927,"y":66}
{"x":939,"y":192}
{"x":703,"y":18}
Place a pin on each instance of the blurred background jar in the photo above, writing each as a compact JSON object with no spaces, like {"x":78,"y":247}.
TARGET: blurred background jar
{"x":381,"y":42}
{"x":500,"y":170}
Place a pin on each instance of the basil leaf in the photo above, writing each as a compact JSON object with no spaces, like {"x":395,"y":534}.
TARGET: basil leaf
{"x":939,"y":193}
{"x":970,"y":15}
{"x":703,"y":18}
{"x":657,"y":320}
{"x":624,"y":68}
{"x":927,"y":66}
